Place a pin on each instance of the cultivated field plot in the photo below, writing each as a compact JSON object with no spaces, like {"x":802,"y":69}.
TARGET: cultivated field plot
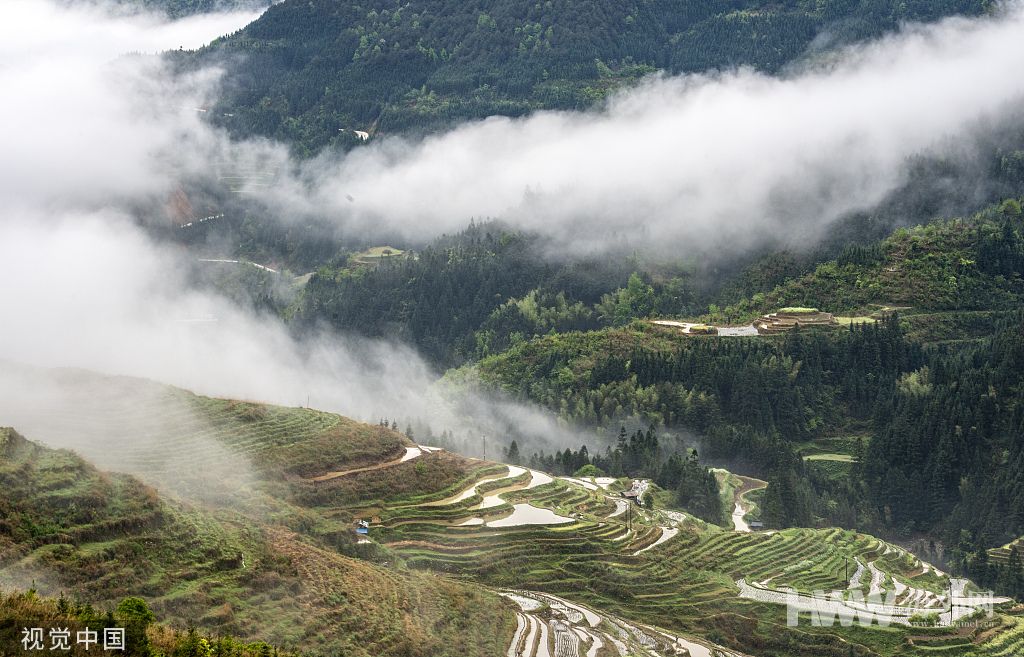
{"x":375,"y":255}
{"x":668,"y":569}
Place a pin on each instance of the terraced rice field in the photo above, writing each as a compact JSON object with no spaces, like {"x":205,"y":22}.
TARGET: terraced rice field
{"x":548,"y":625}
{"x":735,"y":489}
{"x":1009,"y":643}
{"x":670,"y":570}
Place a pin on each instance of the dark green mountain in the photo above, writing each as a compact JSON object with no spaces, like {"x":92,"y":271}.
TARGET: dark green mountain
{"x":311,"y":68}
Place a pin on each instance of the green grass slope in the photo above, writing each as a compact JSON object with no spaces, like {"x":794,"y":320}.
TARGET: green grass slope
{"x":20,"y":609}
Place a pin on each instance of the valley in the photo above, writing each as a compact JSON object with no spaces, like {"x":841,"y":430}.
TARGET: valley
{"x":302,"y":527}
{"x":679,"y":328}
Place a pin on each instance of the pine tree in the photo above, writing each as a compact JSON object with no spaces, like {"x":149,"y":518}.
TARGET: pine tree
{"x":512,"y":454}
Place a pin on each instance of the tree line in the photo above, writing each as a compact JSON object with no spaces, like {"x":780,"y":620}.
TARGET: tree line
{"x":639,"y":455}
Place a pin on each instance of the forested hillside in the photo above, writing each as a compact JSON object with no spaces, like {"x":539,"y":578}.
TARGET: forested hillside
{"x":441,"y":296}
{"x":925,"y":399}
{"x":477,"y":293}
{"x":934,"y":424}
{"x":969,"y":264}
{"x":755,"y":399}
{"x":311,"y":69}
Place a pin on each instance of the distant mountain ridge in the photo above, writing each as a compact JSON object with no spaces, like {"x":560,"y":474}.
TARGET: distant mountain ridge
{"x":313,"y":72}
{"x":181,"y":8}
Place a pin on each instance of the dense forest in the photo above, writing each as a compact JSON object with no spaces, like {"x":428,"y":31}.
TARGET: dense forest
{"x":313,"y":72}
{"x":947,"y":457}
{"x":946,"y":446}
{"x":752,"y":397}
{"x":463,"y":295}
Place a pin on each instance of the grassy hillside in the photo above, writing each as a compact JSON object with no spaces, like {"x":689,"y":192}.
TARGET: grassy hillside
{"x":248,"y":559}
{"x":102,"y":537}
{"x":311,"y":69}
{"x":184,"y":441}
{"x":53,"y":499}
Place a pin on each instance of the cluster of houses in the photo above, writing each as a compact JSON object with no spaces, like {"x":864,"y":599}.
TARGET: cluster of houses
{"x":636,"y":491}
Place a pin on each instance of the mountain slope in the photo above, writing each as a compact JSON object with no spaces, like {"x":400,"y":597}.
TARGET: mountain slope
{"x":20,"y":609}
{"x":970,"y":264}
{"x":245,"y":558}
{"x":313,"y":68}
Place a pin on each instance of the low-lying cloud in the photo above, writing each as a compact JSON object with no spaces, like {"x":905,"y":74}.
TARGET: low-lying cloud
{"x":97,"y":141}
{"x":700,"y":160}
{"x":88,"y":119}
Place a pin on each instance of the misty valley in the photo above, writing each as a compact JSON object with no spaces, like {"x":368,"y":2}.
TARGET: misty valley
{"x":512,"y":329}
